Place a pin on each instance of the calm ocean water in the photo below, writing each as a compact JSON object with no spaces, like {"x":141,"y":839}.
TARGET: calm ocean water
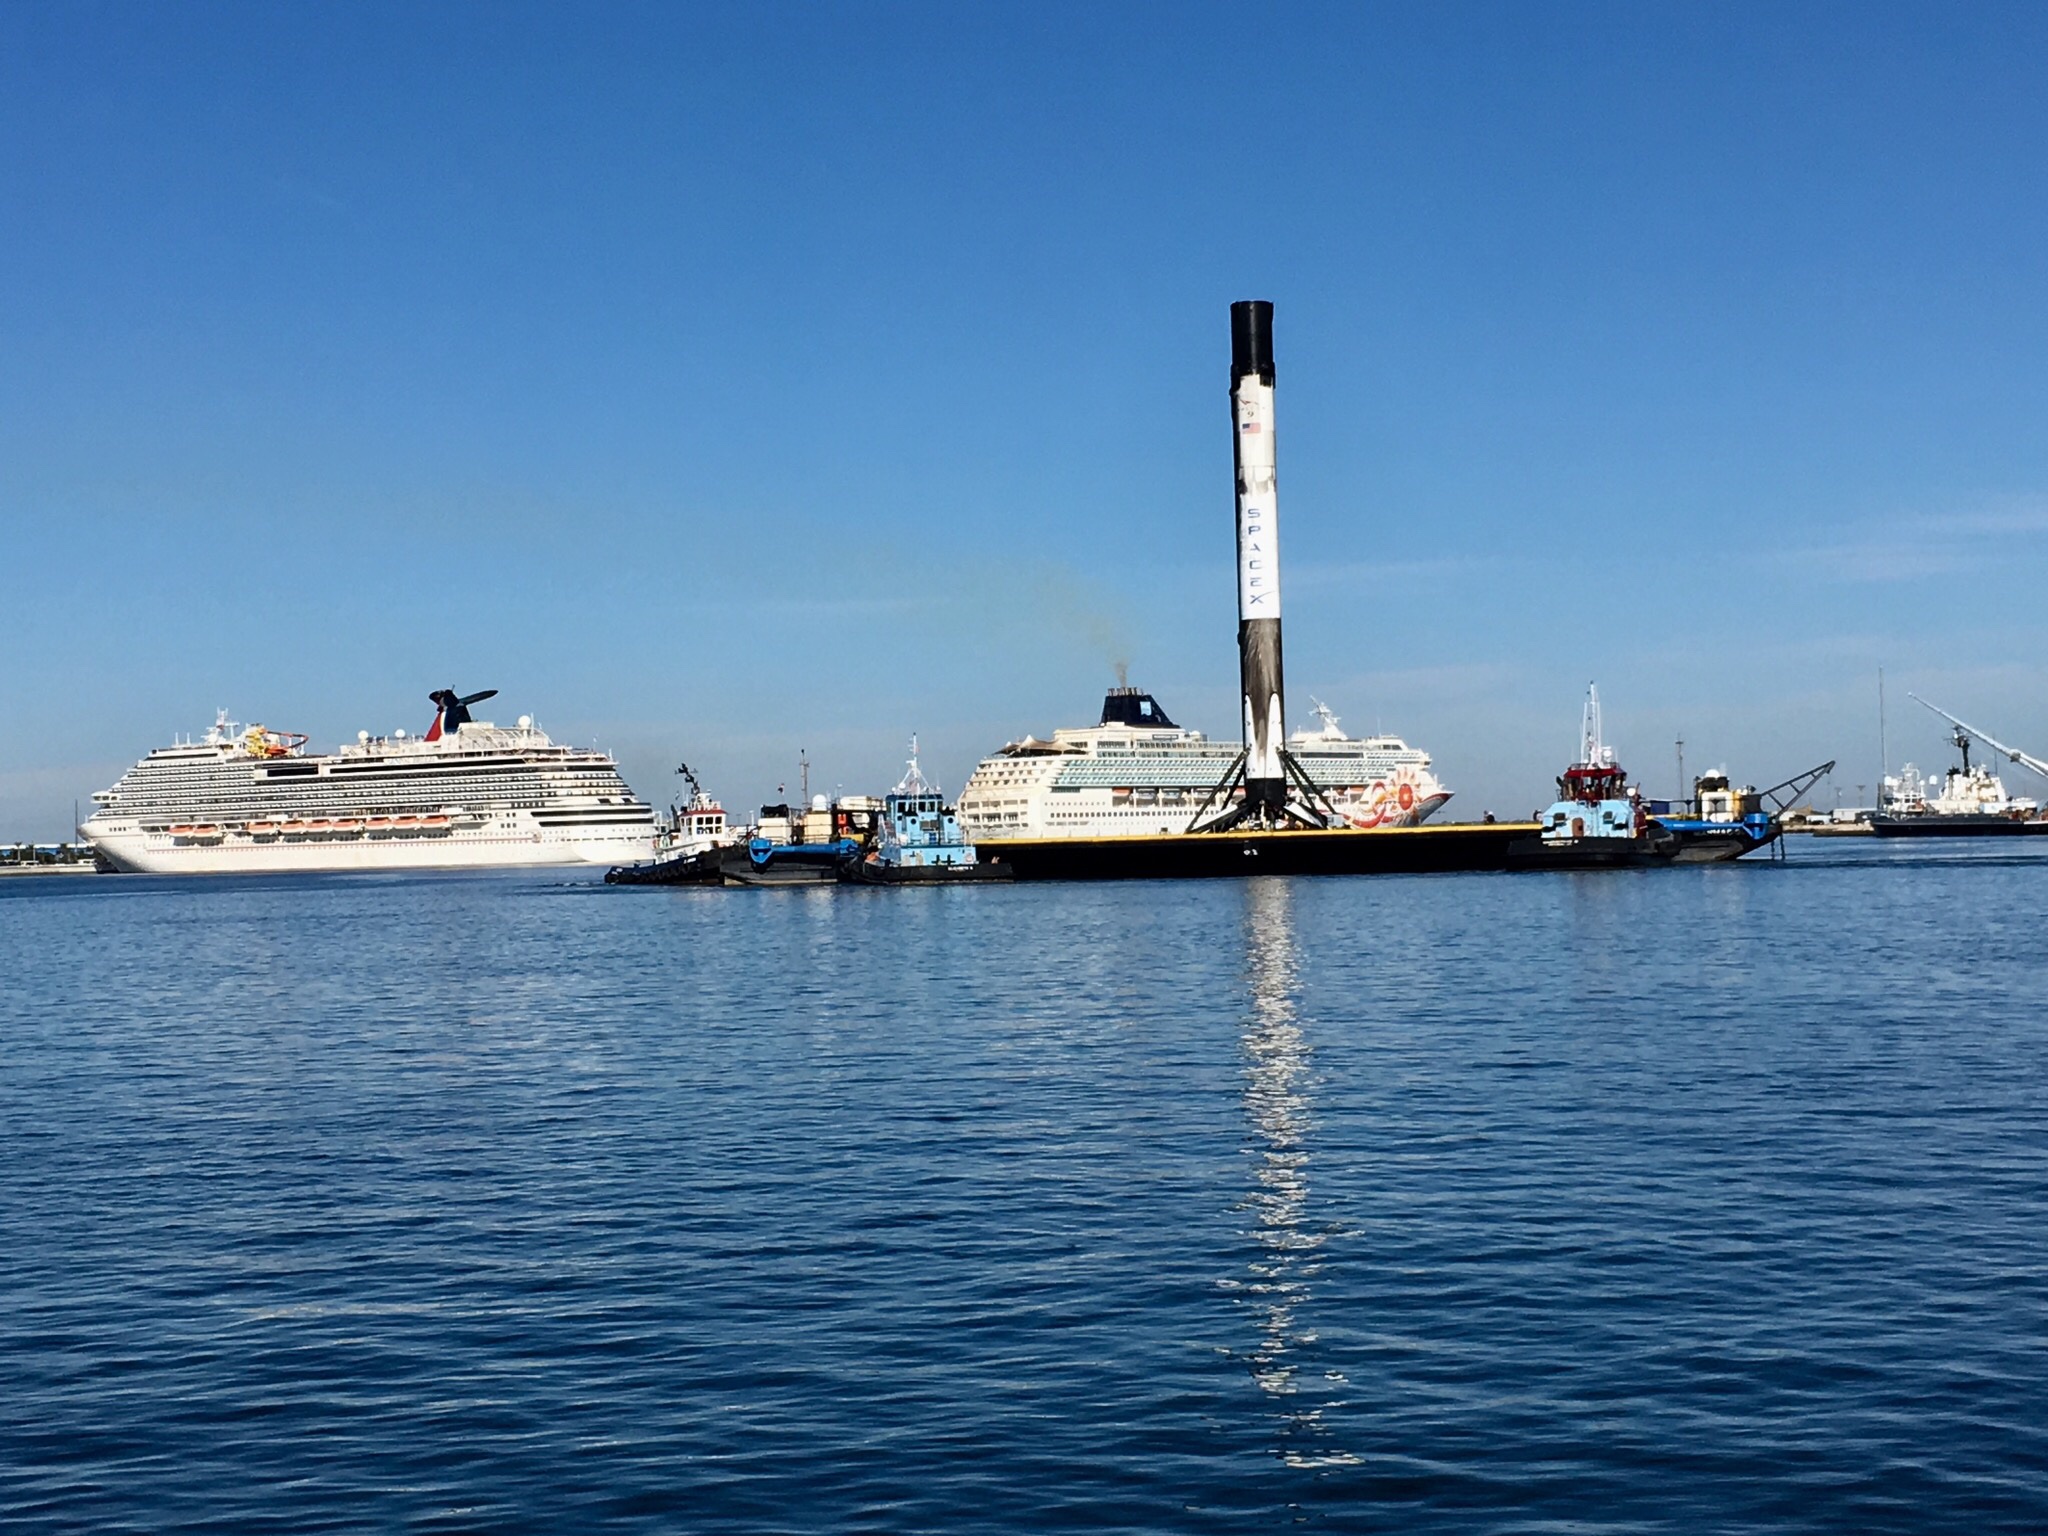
{"x":1683,"y":1200}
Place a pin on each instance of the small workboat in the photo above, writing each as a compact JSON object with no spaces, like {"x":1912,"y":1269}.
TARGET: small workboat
{"x":1724,"y":820}
{"x":807,"y":843}
{"x":763,"y":861}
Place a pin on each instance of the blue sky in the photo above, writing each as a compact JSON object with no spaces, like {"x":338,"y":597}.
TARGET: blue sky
{"x":724,"y":382}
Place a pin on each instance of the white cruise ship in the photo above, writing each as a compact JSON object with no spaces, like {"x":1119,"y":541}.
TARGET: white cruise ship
{"x":1137,"y":773}
{"x":467,"y":794}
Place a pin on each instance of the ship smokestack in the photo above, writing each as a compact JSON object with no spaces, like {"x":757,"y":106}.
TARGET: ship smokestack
{"x":1258,"y":560}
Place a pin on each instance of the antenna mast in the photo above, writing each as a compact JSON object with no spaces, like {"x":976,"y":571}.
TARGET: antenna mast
{"x":1884,"y":757}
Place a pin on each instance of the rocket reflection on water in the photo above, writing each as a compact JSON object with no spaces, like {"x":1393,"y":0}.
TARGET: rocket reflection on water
{"x":1279,"y":1080}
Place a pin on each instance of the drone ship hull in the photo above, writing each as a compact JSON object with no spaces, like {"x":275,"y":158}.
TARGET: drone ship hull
{"x":1459,"y":846}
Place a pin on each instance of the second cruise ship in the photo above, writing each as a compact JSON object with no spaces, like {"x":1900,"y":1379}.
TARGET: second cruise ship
{"x":465,"y":794}
{"x":1136,"y":773}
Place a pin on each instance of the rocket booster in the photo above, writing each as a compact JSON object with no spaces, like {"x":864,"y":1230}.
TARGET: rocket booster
{"x":1258,"y":554}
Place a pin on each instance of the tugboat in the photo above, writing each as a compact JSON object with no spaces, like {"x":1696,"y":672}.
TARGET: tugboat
{"x":690,"y":850}
{"x":1598,"y":820}
{"x":918,"y":840}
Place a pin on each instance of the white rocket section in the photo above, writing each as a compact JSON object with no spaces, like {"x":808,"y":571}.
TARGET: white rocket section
{"x":1258,"y":507}
{"x":1262,"y":747}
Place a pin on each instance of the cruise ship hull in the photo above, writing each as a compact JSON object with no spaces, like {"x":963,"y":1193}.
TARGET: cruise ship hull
{"x":152,"y":854}
{"x":1199,"y":855}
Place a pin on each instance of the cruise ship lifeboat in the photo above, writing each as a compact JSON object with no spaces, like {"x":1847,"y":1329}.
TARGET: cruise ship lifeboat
{"x":198,"y":832}
{"x":435,"y":824}
{"x":346,"y":826}
{"x":378,"y":826}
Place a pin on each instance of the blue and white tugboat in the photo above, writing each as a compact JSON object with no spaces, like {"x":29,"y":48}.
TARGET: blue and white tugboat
{"x":918,"y":840}
{"x":1598,"y":820}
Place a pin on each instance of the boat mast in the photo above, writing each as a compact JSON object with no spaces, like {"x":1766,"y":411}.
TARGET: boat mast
{"x":1884,"y":758}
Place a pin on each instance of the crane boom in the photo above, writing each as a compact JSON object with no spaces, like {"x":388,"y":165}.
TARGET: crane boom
{"x":1784,"y":796}
{"x":2025,"y":760}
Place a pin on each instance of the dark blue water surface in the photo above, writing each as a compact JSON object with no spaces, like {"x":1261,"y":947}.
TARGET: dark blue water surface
{"x":1684,"y":1200}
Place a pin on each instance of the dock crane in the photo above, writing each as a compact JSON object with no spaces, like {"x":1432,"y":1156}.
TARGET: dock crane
{"x":1964,"y":730}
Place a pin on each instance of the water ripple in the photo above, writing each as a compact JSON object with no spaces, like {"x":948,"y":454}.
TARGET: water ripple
{"x":1707,"y":1200}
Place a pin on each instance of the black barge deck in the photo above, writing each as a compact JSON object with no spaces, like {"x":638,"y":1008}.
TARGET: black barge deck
{"x":1198,"y":855}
